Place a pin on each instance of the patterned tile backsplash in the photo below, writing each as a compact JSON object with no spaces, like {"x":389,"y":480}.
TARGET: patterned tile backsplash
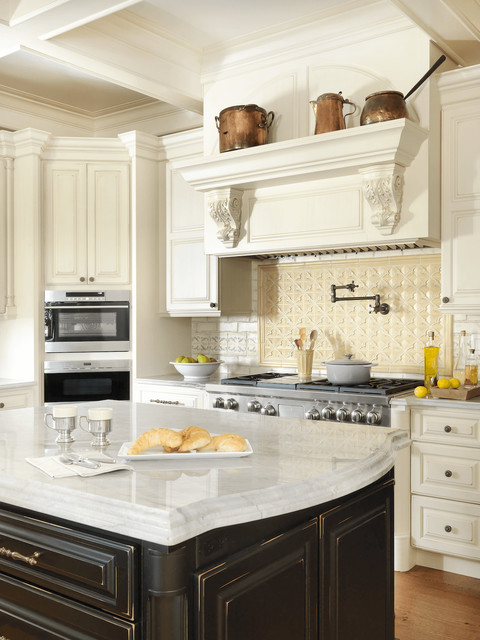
{"x":299,"y":295}
{"x":293,"y":293}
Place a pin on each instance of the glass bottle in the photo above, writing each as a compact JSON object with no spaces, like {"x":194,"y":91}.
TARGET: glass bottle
{"x":430,"y":355}
{"x":471,"y":370}
{"x":461,"y":359}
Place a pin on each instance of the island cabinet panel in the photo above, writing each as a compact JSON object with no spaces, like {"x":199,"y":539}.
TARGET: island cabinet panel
{"x":356,"y":559}
{"x":91,"y":569}
{"x":268,"y":591}
{"x":30,"y":613}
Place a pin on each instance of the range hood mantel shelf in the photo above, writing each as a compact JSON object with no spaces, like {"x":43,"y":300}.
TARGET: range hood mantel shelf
{"x":387,"y":144}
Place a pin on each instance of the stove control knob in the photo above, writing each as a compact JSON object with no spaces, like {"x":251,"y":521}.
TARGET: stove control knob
{"x":328,"y":413}
{"x":269,"y":410}
{"x":313,"y":414}
{"x":231,"y":403}
{"x":254,"y":406}
{"x":342,"y":414}
{"x":358,"y":415}
{"x":219,"y":403}
{"x":374,"y":417}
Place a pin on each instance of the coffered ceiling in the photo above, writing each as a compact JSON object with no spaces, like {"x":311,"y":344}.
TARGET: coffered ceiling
{"x":97,"y":56}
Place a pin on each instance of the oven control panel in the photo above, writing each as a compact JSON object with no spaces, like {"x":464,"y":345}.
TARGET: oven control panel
{"x":328,"y":410}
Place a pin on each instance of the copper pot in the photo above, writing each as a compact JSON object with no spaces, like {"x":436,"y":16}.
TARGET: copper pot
{"x":328,"y":110}
{"x":243,"y":126}
{"x":383,"y":105}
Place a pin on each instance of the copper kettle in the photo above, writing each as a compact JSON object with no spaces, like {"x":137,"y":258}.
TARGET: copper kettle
{"x":328,"y":110}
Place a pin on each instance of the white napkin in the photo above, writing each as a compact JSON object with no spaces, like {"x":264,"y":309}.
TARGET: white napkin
{"x":52,"y":466}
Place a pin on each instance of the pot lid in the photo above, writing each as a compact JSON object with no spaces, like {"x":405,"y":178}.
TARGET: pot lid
{"x":347,"y":359}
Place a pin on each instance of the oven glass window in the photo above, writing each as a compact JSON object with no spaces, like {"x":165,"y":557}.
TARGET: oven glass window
{"x":87,"y":324}
{"x":85,"y":386}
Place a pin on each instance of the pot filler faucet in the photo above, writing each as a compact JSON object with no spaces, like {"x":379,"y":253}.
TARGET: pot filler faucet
{"x":378,"y":307}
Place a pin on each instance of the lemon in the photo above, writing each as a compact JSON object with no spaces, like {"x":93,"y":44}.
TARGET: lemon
{"x":420,"y":392}
{"x":443,"y":383}
{"x":455,"y":383}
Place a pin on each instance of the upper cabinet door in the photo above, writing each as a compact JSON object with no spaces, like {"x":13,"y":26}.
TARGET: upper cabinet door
{"x":65,"y":225}
{"x":461,"y":204}
{"x":87,"y":223}
{"x":108,"y":224}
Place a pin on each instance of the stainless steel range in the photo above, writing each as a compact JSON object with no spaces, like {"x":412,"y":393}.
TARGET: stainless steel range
{"x":284,"y":395}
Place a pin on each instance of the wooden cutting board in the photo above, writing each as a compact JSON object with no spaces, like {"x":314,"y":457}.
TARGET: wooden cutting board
{"x":455,"y":394}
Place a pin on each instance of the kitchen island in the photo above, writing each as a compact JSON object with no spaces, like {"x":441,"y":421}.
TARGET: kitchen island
{"x":293,"y":541}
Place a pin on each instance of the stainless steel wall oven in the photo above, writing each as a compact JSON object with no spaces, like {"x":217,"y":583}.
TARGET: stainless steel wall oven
{"x":83,"y":381}
{"x":87,"y":321}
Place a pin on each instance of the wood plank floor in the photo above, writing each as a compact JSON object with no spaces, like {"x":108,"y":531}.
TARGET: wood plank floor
{"x":436,"y":605}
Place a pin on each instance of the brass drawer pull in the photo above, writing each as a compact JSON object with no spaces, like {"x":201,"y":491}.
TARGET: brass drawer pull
{"x":18,"y":556}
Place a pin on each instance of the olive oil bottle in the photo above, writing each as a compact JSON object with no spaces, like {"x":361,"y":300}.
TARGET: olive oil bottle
{"x":430,"y":357}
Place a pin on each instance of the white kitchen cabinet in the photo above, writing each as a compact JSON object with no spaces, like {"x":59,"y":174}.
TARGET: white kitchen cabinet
{"x":170,"y":394}
{"x":445,"y":481}
{"x":18,"y":398}
{"x":460,"y":98}
{"x":197,"y":284}
{"x":87,"y":223}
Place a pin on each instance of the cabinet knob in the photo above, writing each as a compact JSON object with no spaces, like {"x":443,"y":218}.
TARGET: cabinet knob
{"x":448,"y":528}
{"x":2,"y":405}
{"x":445,"y":299}
{"x":213,"y":305}
{"x":447,"y":428}
{"x":82,"y":279}
{"x":91,"y":279}
{"x":448,"y":473}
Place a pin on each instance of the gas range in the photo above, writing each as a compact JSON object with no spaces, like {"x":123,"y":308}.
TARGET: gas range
{"x":286,"y":395}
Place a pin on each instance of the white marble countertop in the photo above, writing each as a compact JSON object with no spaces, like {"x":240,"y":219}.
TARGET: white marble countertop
{"x":424,"y":403}
{"x":8,"y":383}
{"x":295,"y":464}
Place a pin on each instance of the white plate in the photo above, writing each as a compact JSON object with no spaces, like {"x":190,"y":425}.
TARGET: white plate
{"x":157,"y":453}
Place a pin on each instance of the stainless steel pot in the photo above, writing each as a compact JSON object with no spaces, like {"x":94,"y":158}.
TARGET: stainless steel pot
{"x":348,"y":372}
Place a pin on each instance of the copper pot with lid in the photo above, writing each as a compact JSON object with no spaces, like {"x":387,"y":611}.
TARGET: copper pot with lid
{"x":328,"y":110}
{"x":243,"y":126}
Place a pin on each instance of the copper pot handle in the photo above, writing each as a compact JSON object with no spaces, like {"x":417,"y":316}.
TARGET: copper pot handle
{"x":354,"y":108}
{"x":265,"y":122}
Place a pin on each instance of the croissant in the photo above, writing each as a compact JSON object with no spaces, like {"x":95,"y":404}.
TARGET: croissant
{"x":155,"y":437}
{"x":227,"y":442}
{"x":193,"y":438}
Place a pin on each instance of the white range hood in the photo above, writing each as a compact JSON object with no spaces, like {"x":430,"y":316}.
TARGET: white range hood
{"x":247,"y":191}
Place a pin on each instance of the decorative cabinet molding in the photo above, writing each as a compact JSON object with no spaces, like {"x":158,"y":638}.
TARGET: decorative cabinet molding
{"x":460,"y":98}
{"x":383,"y":190}
{"x":225,"y":208}
{"x":303,"y":169}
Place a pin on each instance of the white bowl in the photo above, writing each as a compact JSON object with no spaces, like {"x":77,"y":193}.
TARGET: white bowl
{"x":196,"y":370}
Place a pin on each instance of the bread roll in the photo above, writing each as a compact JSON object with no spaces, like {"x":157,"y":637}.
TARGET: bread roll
{"x":193,"y":438}
{"x":227,"y":442}
{"x":155,"y":437}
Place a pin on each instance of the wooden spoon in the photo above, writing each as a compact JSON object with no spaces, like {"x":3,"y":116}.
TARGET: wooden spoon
{"x":303,"y":334}
{"x":313,"y":337}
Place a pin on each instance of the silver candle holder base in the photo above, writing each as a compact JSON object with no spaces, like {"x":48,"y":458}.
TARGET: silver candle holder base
{"x":99,"y":424}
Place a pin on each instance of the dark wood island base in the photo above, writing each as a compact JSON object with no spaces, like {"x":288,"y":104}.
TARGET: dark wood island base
{"x":323,"y":573}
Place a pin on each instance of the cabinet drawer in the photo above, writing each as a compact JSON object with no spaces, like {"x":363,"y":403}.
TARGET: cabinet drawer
{"x":16,"y":400}
{"x":30,"y":613}
{"x":446,"y":526}
{"x":446,"y":472}
{"x":443,"y":426}
{"x":91,"y":569}
{"x":171,"y":398}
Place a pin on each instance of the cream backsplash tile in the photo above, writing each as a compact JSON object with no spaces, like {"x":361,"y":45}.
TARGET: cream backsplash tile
{"x":294,"y":295}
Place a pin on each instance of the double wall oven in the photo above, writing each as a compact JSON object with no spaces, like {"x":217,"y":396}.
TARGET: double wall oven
{"x":87,"y":323}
